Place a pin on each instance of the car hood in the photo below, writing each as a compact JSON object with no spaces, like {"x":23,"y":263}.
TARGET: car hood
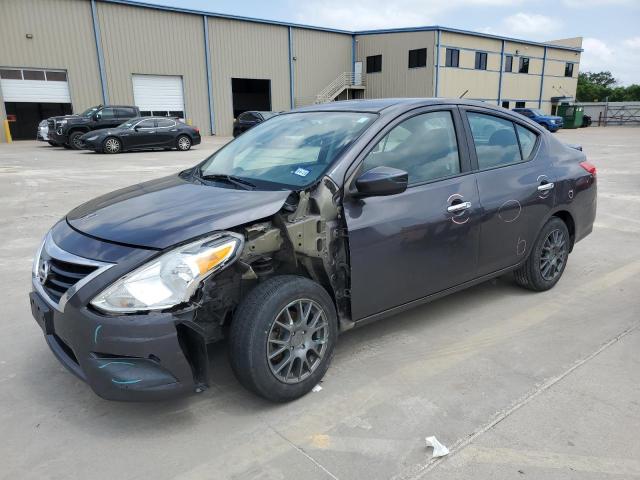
{"x":164,"y":212}
{"x":550,"y":117}
{"x":103,"y":131}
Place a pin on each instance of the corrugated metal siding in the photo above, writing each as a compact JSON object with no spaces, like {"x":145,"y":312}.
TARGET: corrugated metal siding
{"x":320,"y":58}
{"x":247,"y":50}
{"x":396,"y":78}
{"x":145,"y":41}
{"x":62,"y":39}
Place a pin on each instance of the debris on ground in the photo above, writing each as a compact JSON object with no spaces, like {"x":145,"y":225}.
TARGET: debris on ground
{"x":439,"y":450}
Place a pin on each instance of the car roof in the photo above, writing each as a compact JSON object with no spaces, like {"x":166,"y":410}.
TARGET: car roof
{"x":378,"y":105}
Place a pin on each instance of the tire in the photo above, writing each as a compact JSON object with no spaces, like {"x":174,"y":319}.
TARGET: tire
{"x":74,"y":140}
{"x":183,"y":143}
{"x":111,"y":145}
{"x":543,"y":268}
{"x":66,"y":147}
{"x":255,"y":334}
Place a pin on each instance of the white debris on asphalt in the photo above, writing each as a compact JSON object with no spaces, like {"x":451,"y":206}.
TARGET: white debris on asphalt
{"x":317,"y":388}
{"x":439,"y":450}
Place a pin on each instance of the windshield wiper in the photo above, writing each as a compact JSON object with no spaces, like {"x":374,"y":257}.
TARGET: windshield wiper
{"x":232,"y":179}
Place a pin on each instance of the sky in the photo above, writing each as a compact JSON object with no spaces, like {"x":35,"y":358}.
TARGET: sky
{"x":611,"y":28}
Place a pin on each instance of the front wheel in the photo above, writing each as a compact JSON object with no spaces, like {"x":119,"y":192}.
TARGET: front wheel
{"x":75,"y":142}
{"x":112,"y":145}
{"x":283,"y":337}
{"x":183,"y":143}
{"x":548,"y":258}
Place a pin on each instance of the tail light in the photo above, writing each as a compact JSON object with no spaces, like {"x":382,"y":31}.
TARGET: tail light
{"x":589,"y":167}
{"x":198,"y":131}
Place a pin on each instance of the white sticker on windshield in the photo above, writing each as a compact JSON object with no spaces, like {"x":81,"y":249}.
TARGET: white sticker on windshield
{"x":302,"y":172}
{"x":363,"y":119}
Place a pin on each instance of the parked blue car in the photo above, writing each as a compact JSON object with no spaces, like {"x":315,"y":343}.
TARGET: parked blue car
{"x":550,"y":122}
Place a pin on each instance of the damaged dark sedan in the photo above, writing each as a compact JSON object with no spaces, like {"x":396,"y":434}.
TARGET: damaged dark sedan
{"x":312,"y":223}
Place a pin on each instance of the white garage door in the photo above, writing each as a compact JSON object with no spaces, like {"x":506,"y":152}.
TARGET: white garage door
{"x":34,"y":86}
{"x":159,"y":95}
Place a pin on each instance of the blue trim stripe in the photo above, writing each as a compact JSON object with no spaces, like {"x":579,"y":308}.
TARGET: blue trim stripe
{"x":501,"y":69}
{"x":544,"y":61}
{"x":96,"y":35}
{"x":435,"y":89}
{"x":335,"y":30}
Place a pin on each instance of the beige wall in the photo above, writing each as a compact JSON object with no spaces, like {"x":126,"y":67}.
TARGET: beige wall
{"x":54,"y":24}
{"x":144,"y":41}
{"x":247,"y":50}
{"x":396,"y":79}
{"x":319,"y":58}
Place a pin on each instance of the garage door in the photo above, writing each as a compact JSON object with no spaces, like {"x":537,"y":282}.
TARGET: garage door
{"x":159,"y":95}
{"x":35,"y":86}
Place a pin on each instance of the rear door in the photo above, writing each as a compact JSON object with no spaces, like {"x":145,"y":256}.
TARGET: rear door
{"x":143,"y":134}
{"x":514,"y":184}
{"x":166,"y":132}
{"x":407,"y":246}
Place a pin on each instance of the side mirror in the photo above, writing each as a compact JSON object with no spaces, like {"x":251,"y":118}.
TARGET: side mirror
{"x":380,"y":181}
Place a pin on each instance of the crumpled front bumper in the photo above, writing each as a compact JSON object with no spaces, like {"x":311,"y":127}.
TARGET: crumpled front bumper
{"x":130,"y":358}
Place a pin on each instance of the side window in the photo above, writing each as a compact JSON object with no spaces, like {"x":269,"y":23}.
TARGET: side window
{"x":374,"y":64}
{"x":452,"y":58}
{"x":424,"y":146}
{"x":508,"y":63}
{"x":165,"y":123}
{"x":126,"y":113}
{"x":527,"y":140}
{"x":106,"y":114}
{"x":147,"y":124}
{"x":495,"y":140}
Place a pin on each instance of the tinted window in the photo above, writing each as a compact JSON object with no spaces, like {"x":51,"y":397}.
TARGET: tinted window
{"x":505,"y":104}
{"x":524,"y":65}
{"x":249,"y":117}
{"x":495,"y":140}
{"x":526,"y":113}
{"x":481,"y":61}
{"x":57,"y":76}
{"x":162,"y":123}
{"x":374,"y":64}
{"x":106,"y":114}
{"x":147,"y":124}
{"x":126,"y":112}
{"x":10,"y":74}
{"x":520,"y":104}
{"x":33,"y":74}
{"x":527,"y":140}
{"x":453,"y":57}
{"x":568,"y":70}
{"x":508,"y":63}
{"x":424,"y":146}
{"x":418,"y":58}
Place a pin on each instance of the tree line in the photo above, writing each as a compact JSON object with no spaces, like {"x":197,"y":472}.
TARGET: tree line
{"x":600,"y":86}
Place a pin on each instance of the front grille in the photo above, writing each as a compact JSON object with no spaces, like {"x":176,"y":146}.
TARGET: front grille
{"x":51,"y":124}
{"x":62,"y":276}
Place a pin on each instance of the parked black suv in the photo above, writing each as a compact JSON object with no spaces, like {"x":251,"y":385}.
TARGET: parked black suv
{"x":66,"y":131}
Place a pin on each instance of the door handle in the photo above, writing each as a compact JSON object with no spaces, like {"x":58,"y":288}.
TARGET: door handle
{"x":545,"y":186}
{"x":458,"y":207}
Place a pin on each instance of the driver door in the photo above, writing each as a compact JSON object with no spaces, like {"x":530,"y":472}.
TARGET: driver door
{"x":422,"y":241}
{"x":140,"y":135}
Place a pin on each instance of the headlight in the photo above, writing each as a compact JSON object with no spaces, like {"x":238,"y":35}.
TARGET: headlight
{"x":92,"y":138}
{"x":552,"y":121}
{"x":172,"y":278}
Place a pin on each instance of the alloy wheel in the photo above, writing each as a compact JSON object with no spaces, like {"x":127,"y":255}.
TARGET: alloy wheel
{"x":297,"y":341}
{"x":184,"y":143}
{"x":554,"y":255}
{"x":112,"y":145}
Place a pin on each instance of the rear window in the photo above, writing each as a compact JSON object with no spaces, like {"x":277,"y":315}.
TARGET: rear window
{"x":495,"y":140}
{"x":527,"y":141}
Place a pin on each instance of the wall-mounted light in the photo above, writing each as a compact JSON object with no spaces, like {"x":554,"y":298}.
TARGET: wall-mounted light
{"x":517,"y":52}
{"x":29,"y":36}
{"x":294,"y":58}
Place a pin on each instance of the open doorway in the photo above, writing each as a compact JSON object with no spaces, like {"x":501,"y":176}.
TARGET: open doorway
{"x":24,"y":117}
{"x":250,"y":94}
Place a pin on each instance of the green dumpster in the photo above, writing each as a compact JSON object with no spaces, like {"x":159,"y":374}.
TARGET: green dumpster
{"x":571,"y":115}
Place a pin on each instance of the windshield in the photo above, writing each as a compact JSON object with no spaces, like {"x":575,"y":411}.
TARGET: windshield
{"x":290,"y":150}
{"x":536,"y":112}
{"x":89,"y":111}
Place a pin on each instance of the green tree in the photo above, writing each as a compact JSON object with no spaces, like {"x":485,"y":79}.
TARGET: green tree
{"x":597,"y":87}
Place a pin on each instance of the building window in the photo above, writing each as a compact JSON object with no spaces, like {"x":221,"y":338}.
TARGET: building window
{"x":508,"y":63}
{"x":453,"y":57}
{"x":568,"y":70}
{"x":11,"y":74}
{"x":521,"y":104}
{"x":418,"y":58}
{"x":505,"y":104}
{"x":374,"y":64}
{"x":481,"y":61}
{"x":56,"y":76}
{"x":524,"y":65}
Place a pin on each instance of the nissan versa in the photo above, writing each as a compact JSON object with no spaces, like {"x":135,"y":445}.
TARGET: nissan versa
{"x":311,"y":223}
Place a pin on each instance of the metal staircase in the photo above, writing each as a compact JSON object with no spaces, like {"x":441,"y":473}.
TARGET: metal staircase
{"x":346,"y":81}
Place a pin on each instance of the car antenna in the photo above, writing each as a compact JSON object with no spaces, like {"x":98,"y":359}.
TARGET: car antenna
{"x":465,"y":92}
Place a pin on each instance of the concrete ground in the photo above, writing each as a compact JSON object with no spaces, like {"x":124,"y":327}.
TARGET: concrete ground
{"x":516,"y":384}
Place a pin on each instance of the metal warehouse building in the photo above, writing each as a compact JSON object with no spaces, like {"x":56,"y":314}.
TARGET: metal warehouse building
{"x":62,"y":55}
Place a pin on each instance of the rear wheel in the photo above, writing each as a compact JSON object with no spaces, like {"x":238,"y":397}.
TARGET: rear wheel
{"x":112,"y":145}
{"x":183,"y":143}
{"x":75,"y":142}
{"x":548,"y":259}
{"x":283,"y":337}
